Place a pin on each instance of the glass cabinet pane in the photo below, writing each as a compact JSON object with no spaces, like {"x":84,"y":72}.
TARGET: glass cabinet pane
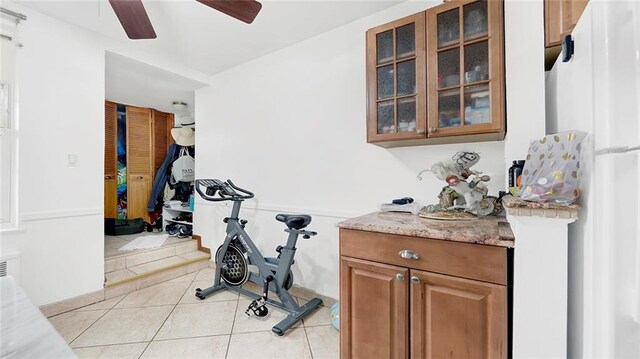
{"x":448,"y":28}
{"x":406,"y":41}
{"x":449,"y":68}
{"x":476,"y":62}
{"x":476,"y":104}
{"x":406,"y":78}
{"x":384,"y":46}
{"x":407,"y":114}
{"x":385,"y":82}
{"x":385,"y":117}
{"x":449,"y":108}
{"x":475,"y":20}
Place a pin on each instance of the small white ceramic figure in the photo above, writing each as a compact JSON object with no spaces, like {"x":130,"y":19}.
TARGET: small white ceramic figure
{"x":468,"y":195}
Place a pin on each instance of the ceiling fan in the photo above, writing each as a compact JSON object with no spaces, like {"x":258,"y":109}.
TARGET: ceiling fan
{"x":136,"y":23}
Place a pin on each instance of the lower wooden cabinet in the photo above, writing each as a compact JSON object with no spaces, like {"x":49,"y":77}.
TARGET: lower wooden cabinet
{"x":392,"y":311}
{"x":456,"y":318}
{"x":374,"y":322}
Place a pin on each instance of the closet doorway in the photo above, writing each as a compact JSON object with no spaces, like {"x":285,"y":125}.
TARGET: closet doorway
{"x":149,"y":126}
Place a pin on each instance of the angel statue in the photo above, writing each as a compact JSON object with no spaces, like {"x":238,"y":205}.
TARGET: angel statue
{"x":466,"y":189}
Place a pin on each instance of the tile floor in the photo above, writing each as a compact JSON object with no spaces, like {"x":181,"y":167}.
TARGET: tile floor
{"x":167,"y":321}
{"x":113,"y":243}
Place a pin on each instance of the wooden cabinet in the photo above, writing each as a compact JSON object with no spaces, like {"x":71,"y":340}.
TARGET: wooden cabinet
{"x":456,"y":318}
{"x":465,"y":70}
{"x":110,"y":159}
{"x":560,"y":17}
{"x":437,"y":76}
{"x":447,"y":301}
{"x":375,"y":322}
{"x":396,"y":80}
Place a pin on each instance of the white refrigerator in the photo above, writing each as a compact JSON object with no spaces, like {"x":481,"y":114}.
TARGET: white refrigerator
{"x":598,"y":91}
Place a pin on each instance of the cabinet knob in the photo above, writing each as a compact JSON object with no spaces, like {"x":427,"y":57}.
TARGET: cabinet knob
{"x":400,"y":277}
{"x":415,"y":280}
{"x":107,"y":177}
{"x":407,"y":254}
{"x":433,"y":129}
{"x":420,"y":131}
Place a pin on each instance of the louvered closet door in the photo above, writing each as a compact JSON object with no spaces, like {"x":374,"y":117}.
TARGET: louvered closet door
{"x":110,"y":159}
{"x":162,"y":124}
{"x":139,"y":161}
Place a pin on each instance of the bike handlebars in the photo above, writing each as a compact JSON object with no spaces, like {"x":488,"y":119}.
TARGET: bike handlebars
{"x":227,"y":191}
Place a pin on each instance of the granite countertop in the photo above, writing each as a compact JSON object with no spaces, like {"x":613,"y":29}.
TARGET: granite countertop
{"x":494,"y":231}
{"x":519,"y":207}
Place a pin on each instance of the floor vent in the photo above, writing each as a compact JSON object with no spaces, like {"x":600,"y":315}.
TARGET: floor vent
{"x":3,"y":269}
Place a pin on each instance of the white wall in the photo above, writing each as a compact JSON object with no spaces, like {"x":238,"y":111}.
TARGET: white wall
{"x":290,"y":126}
{"x":60,"y":74}
{"x":61,"y":79}
{"x":525,"y":87}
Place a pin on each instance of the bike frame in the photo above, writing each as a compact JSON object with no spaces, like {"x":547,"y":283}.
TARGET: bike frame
{"x":236,"y":230}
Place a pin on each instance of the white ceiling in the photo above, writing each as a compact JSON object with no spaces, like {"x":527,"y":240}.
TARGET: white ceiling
{"x":198,"y":37}
{"x":131,"y":82}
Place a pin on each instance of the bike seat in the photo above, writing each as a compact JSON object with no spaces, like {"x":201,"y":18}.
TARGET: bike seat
{"x":294,"y":221}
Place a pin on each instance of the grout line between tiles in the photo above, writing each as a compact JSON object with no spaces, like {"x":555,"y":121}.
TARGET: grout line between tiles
{"x":306,"y":337}
{"x":193,"y":337}
{"x":235,"y":311}
{"x":107,"y":345}
{"x":165,"y":319}
{"x":92,"y":324}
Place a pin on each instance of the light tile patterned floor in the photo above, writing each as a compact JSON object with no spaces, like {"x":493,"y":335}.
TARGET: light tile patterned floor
{"x":167,"y":321}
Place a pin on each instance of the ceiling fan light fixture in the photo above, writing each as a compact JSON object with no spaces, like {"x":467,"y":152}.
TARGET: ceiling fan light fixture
{"x":179,"y":106}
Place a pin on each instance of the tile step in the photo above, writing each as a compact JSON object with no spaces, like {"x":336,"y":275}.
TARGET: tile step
{"x":136,"y":258}
{"x":121,"y":276}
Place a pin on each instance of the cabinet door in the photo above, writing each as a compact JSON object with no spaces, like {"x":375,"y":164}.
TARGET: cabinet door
{"x":373,"y":310}
{"x":138,"y":192}
{"x":465,"y":68}
{"x":396,"y":79}
{"x":560,"y":17}
{"x":110,"y":159}
{"x":139,"y":161}
{"x":457,"y":318}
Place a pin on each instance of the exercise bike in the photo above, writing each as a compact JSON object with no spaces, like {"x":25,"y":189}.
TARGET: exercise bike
{"x":238,"y":260}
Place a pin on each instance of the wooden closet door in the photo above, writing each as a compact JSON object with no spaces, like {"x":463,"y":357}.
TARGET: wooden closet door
{"x":162,"y":124}
{"x":457,"y":318}
{"x":139,"y":161}
{"x":110,"y":159}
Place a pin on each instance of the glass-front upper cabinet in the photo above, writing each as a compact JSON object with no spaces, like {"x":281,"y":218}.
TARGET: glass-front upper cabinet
{"x":396,"y":80}
{"x":465,"y":71}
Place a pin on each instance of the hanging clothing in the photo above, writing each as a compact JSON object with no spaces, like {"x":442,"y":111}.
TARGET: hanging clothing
{"x":162,"y":177}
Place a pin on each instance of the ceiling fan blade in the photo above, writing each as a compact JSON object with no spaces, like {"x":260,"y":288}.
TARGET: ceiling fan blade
{"x":243,"y":10}
{"x":134,"y":19}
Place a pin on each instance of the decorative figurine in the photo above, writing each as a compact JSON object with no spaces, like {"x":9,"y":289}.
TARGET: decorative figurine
{"x":466,"y":191}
